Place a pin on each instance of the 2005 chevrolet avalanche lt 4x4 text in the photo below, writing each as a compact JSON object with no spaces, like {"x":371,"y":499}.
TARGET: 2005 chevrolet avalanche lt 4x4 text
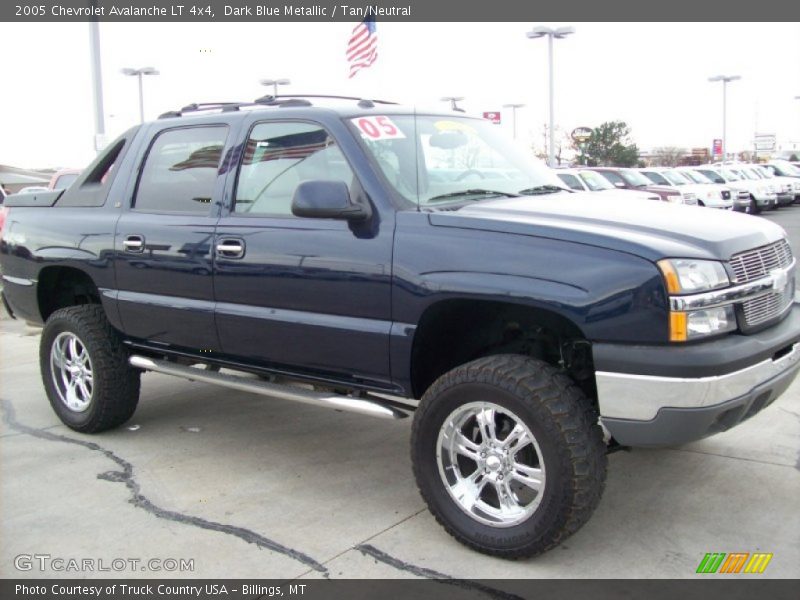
{"x":372,"y":258}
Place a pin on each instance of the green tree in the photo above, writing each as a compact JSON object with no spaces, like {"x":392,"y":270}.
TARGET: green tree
{"x":609,"y":145}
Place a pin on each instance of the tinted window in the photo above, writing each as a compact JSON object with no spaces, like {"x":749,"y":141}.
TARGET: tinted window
{"x":613,"y":177}
{"x":571,"y":181}
{"x":181,"y":169}
{"x":280,"y":156}
{"x":656,"y":178}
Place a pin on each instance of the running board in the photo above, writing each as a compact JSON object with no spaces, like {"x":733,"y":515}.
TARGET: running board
{"x":365,"y":405}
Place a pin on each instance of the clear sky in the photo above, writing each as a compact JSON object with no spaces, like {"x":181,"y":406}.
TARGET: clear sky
{"x":651,"y":75}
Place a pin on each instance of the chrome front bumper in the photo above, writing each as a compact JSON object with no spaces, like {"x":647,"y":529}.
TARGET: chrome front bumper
{"x":641,"y":397}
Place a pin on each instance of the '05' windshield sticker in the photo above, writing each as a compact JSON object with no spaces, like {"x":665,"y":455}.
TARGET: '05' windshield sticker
{"x":378,"y":128}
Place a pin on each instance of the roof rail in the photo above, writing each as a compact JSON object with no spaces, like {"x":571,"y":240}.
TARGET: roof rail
{"x":201,"y":106}
{"x":363,"y":102}
{"x":283,"y":100}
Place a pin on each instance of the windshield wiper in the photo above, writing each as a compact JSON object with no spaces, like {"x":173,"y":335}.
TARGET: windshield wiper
{"x":472,"y":192}
{"x":542,"y":189}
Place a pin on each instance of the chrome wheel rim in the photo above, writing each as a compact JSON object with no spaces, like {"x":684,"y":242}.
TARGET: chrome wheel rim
{"x":491,"y":464}
{"x":71,"y":369}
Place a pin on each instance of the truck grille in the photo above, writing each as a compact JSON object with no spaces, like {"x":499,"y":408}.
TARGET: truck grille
{"x":760,"y":262}
{"x":755,"y":264}
{"x":767,"y":307}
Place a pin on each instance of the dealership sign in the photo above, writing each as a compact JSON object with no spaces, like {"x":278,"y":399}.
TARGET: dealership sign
{"x":492,"y":116}
{"x":717,"y":148}
{"x":765,"y":141}
{"x":581,"y":134}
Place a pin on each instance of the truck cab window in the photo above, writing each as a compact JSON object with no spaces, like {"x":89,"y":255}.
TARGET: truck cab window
{"x":180,"y":170}
{"x":280,"y":156}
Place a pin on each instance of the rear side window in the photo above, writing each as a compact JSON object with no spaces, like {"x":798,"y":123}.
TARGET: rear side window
{"x":180,"y":170}
{"x":278,"y":157}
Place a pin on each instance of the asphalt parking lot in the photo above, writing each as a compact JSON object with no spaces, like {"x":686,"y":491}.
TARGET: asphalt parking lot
{"x":249,"y":487}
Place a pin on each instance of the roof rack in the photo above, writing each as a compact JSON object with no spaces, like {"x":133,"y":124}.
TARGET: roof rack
{"x":283,"y":100}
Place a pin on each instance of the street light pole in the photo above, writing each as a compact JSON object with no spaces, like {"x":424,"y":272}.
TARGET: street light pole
{"x":275,"y":83}
{"x":724,"y":79}
{"x":513,"y":108}
{"x":559,"y":33}
{"x":138,"y":73}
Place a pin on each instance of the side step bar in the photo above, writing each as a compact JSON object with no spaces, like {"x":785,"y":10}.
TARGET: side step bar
{"x":365,"y":405}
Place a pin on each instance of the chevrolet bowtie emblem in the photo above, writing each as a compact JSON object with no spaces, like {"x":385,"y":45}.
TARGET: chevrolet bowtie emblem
{"x":779,"y":280}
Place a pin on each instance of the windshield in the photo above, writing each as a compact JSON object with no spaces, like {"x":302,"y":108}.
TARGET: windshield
{"x":745,"y":174}
{"x":675,"y":178}
{"x":764,"y":173}
{"x":656,"y":178}
{"x":595,"y":181}
{"x":432,"y":160}
{"x":731,"y":175}
{"x":696,"y":176}
{"x":787,"y":168}
{"x":635,"y":179}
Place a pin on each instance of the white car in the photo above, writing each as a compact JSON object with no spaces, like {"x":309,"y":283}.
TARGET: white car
{"x":749,"y":172}
{"x":788,"y":188}
{"x":712,"y":195}
{"x":583,"y":180}
{"x":664,"y":177}
{"x":760,"y":196}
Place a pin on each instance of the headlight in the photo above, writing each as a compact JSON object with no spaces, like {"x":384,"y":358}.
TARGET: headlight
{"x":675,"y":199}
{"x":687,"y":276}
{"x":686,"y":326}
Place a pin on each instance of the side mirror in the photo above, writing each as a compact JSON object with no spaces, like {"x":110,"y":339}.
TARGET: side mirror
{"x":326,"y":199}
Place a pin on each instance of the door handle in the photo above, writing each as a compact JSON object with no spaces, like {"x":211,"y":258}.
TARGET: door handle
{"x":230,"y":248}
{"x":133,"y":243}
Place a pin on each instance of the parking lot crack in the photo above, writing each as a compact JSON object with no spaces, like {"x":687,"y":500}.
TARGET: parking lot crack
{"x":125,"y":475}
{"x":381,"y":556}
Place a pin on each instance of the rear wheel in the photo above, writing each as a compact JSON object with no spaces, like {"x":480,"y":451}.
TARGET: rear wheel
{"x":508,"y":455}
{"x":85,"y":370}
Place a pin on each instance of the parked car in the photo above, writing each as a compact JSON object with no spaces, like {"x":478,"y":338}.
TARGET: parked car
{"x":670,"y":177}
{"x":629,"y":179}
{"x":584,"y":180}
{"x":526,"y":329}
{"x":760,"y":196}
{"x":62,"y":179}
{"x":747,"y":171}
{"x":709,"y":194}
{"x":787,"y":188}
{"x":783,"y":168}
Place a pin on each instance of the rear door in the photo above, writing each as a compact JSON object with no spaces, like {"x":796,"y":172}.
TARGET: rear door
{"x":163,"y":241}
{"x":296,"y":293}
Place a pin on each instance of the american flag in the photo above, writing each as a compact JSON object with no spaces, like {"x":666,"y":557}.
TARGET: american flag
{"x":362,"y":49}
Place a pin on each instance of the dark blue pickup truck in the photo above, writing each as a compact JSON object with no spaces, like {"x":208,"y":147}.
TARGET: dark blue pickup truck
{"x":372,"y":258}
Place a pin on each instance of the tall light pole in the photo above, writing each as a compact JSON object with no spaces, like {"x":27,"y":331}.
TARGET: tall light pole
{"x":275,"y":83}
{"x":559,"y":33}
{"x":724,"y":79}
{"x":138,"y":73}
{"x":513,"y":108}
{"x":453,"y":100}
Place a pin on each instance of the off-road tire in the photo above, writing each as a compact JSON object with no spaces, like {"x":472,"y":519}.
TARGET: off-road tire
{"x":566,"y":426}
{"x":115,"y":392}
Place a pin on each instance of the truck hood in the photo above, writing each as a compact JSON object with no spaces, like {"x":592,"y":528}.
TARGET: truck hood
{"x":652,"y":230}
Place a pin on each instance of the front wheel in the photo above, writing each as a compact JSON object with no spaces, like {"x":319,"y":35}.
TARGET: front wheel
{"x":508,"y":455}
{"x":85,"y":370}
{"x":754,"y":207}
